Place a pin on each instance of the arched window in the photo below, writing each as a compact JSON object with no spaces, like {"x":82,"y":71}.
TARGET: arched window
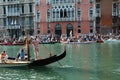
{"x":91,"y":24}
{"x":91,"y":1}
{"x":53,"y":13}
{"x":73,"y":12}
{"x":69,"y":12}
{"x":79,"y":30}
{"x":79,"y":13}
{"x":38,"y":31}
{"x":91,"y":13}
{"x":53,"y":1}
{"x":61,"y":13}
{"x":38,"y":16}
{"x":57,"y":12}
{"x":58,"y":29}
{"x":79,"y":24}
{"x":65,"y":13}
{"x":48,"y":14}
{"x":37,"y":2}
{"x":69,"y":29}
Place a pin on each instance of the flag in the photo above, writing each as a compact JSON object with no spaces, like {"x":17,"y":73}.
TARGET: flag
{"x":71,"y":32}
{"x":12,"y":22}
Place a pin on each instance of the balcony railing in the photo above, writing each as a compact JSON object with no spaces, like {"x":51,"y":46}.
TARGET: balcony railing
{"x":13,"y":14}
{"x":13,"y":27}
{"x":16,"y":2}
{"x":63,"y":19}
{"x":98,"y":14}
{"x":79,"y":19}
{"x":62,"y":2}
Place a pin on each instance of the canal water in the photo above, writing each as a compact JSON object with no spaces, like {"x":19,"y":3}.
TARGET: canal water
{"x":83,"y":62}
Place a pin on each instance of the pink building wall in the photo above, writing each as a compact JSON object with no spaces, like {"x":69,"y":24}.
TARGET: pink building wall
{"x":85,"y":28}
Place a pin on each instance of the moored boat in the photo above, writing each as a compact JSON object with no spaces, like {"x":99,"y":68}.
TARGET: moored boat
{"x":85,"y":42}
{"x":11,"y":43}
{"x":100,"y":41}
{"x":49,"y":42}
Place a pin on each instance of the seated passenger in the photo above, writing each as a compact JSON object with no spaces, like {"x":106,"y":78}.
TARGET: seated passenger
{"x":4,"y":56}
{"x":22,"y":54}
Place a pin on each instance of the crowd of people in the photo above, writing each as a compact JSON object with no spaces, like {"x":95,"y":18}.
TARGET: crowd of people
{"x":21,"y":55}
{"x":84,"y":38}
{"x":37,"y":39}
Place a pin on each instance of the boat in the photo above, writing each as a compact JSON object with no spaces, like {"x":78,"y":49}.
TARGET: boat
{"x":49,"y":60}
{"x":111,"y":40}
{"x":53,"y":42}
{"x":85,"y":42}
{"x":100,"y":41}
{"x":13,"y":62}
{"x":11,"y":43}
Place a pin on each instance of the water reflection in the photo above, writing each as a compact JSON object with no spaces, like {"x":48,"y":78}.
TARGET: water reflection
{"x":100,"y":59}
{"x":24,"y":73}
{"x":82,"y":62}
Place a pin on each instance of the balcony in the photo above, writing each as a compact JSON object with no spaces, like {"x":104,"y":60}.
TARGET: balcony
{"x":91,"y":18}
{"x":13,"y":14}
{"x":79,"y":19}
{"x":79,"y":1}
{"x":13,"y":27}
{"x":16,"y":2}
{"x":114,"y":14}
{"x":98,"y":14}
{"x":10,"y":2}
{"x":62,"y":19}
{"x":63,"y":2}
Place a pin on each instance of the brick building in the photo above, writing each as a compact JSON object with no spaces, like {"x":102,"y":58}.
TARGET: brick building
{"x":107,"y":16}
{"x":59,"y":17}
{"x":63,"y":16}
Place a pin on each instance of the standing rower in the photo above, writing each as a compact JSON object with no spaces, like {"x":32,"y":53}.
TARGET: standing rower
{"x":35,"y":43}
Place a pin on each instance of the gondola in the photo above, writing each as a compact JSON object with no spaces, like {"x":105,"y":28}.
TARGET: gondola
{"x":13,"y":62}
{"x":49,"y":60}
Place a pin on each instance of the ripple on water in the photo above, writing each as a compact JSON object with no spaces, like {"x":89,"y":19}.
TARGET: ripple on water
{"x":117,"y":71}
{"x":66,"y":66}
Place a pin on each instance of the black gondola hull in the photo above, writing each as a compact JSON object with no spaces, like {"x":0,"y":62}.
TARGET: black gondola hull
{"x":46,"y":61}
{"x":33,"y":63}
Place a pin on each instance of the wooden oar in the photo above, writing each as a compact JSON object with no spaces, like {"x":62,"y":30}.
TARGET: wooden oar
{"x":47,"y":49}
{"x":51,"y":53}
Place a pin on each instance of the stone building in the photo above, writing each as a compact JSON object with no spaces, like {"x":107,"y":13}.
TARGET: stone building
{"x":16,"y":16}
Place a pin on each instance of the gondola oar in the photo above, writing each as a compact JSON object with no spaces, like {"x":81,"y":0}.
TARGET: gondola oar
{"x":51,"y":53}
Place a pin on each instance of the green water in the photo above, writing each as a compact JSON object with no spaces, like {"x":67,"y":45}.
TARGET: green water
{"x":82,"y":62}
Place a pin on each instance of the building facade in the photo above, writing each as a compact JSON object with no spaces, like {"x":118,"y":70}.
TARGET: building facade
{"x":60,"y":17}
{"x":107,"y":16}
{"x":16,"y":16}
{"x":63,"y":17}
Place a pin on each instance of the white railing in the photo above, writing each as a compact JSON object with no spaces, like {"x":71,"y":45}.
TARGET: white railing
{"x":13,"y":27}
{"x":63,"y":19}
{"x":98,"y":15}
{"x":13,"y":14}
